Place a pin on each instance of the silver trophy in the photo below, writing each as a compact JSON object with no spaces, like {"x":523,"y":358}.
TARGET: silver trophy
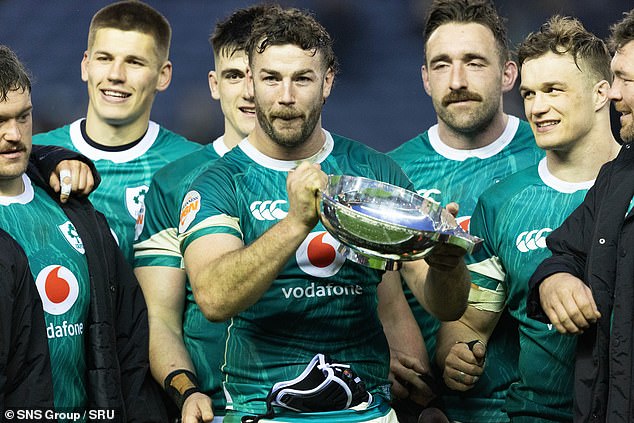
{"x":381,"y":225}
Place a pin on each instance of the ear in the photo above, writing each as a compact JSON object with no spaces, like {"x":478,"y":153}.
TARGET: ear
{"x":329,"y":79}
{"x":425,"y":76}
{"x":84,"y":67}
{"x":509,"y":76}
{"x":600,"y":94}
{"x":165,"y":76}
{"x":212,"y":78}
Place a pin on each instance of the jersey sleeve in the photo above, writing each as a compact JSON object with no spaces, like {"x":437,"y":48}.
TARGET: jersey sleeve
{"x":158,"y":224}
{"x":209,"y":207}
{"x":485,"y":266}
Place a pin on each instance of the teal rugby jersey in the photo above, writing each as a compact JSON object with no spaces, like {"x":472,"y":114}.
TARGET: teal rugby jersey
{"x":59,"y":268}
{"x":514,"y":218}
{"x":445,"y":174}
{"x":320,"y":303}
{"x":158,"y":246}
{"x":125,"y":175}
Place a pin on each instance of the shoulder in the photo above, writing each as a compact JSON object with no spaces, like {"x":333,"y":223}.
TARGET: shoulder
{"x":53,"y":136}
{"x":510,"y":186}
{"x":410,"y":150}
{"x":173,"y":142}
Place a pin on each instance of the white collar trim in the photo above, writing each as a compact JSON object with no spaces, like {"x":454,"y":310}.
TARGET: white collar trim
{"x":286,"y":165}
{"x":557,"y":184}
{"x":128,"y":155}
{"x":25,"y":198}
{"x":219,"y":146}
{"x":481,"y":153}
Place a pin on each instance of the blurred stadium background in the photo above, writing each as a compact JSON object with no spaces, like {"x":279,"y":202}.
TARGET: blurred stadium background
{"x":378,"y":98}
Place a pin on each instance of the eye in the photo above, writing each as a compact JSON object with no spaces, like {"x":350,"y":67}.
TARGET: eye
{"x":24,"y":117}
{"x":234,"y":76}
{"x":440,"y":66}
{"x":527,"y":95}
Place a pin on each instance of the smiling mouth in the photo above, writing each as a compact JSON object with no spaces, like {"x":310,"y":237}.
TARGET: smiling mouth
{"x":546,"y":124}
{"x":116,"y":94}
{"x":247,"y":110}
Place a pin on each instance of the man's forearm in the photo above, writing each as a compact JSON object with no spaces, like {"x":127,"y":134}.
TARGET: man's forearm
{"x":446,"y":292}
{"x":235,"y":280}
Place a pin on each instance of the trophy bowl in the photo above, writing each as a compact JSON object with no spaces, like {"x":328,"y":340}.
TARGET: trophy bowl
{"x":381,"y":225}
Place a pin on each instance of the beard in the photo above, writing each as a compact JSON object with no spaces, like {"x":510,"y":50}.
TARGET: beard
{"x":470,"y":121}
{"x":290,"y":134}
{"x":627,"y":133}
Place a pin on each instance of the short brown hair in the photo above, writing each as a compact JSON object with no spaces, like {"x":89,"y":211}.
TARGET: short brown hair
{"x":622,"y":32}
{"x":565,"y":35}
{"x":281,"y":26}
{"x":482,"y":12}
{"x":13,"y":74}
{"x":132,"y":15}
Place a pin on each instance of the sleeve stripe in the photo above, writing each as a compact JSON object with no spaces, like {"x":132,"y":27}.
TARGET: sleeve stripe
{"x":491,"y":268}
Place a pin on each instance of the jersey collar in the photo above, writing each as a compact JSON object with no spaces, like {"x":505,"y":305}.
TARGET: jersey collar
{"x":128,"y":155}
{"x":557,"y":184}
{"x":286,"y":165}
{"x":480,"y":153}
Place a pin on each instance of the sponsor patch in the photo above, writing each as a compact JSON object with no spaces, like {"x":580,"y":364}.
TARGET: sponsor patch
{"x":58,"y":289}
{"x":189,"y":210}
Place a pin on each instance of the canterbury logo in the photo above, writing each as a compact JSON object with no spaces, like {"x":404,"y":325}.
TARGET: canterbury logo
{"x":532,"y":240}
{"x":268,"y":210}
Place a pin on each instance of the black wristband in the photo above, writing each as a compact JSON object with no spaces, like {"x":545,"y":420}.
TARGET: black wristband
{"x":180,"y":388}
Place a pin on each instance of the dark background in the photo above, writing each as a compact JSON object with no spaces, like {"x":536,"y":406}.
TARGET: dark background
{"x":378,"y":96}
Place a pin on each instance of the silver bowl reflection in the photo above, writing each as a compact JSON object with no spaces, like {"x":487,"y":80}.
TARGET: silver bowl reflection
{"x":381,"y":225}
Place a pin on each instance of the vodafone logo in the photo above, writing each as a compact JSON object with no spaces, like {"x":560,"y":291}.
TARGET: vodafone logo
{"x":58,"y":289}
{"x":532,"y":240}
{"x":268,"y":210}
{"x":318,"y":255}
{"x":189,"y":210}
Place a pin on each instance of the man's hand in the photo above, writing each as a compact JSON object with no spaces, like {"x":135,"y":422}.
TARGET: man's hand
{"x":568,"y":303}
{"x":445,"y":257}
{"x":303,"y":186}
{"x":464,"y":366}
{"x":197,"y":408}
{"x":405,"y":375}
{"x":71,"y":176}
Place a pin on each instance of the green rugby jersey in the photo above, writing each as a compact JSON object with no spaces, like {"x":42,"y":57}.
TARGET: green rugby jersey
{"x":445,"y":174}
{"x":319,"y":303}
{"x":158,"y":246}
{"x":125,"y":174}
{"x":514,"y":218}
{"x":59,"y":268}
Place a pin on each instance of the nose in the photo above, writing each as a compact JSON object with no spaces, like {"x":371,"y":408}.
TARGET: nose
{"x":288,"y":96}
{"x":458,"y":78}
{"x":539,"y":105}
{"x":247,"y":93}
{"x":614,"y":93}
{"x":116,"y":71}
{"x":11,"y":131}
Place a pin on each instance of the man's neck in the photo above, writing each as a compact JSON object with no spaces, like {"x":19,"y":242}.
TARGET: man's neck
{"x":583,"y":160}
{"x":109,"y":135}
{"x":472,"y":141}
{"x":11,"y":187}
